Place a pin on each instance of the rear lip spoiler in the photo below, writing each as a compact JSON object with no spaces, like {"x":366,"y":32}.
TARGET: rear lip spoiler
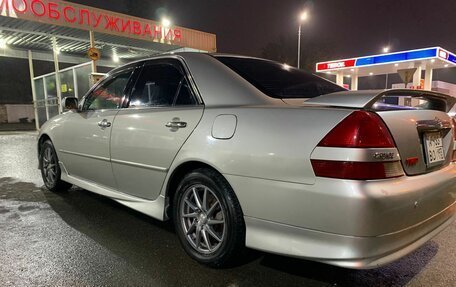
{"x":366,"y":99}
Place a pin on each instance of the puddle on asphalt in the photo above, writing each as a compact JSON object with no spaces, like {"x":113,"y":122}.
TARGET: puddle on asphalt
{"x":11,"y":188}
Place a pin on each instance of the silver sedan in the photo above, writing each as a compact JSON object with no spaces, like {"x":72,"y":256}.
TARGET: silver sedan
{"x":241,"y":151}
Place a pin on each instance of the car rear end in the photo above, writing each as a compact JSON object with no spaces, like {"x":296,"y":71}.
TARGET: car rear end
{"x":365,"y":178}
{"x":395,"y":171}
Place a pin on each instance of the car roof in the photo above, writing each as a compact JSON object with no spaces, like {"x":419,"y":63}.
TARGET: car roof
{"x":183,"y":55}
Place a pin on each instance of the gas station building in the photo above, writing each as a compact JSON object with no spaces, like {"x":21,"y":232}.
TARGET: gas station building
{"x":88,"y":40}
{"x":409,"y":64}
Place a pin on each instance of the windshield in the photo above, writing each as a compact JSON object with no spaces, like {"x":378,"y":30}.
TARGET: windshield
{"x":279,"y":80}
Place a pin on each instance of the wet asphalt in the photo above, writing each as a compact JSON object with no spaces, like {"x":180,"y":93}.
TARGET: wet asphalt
{"x":81,"y":239}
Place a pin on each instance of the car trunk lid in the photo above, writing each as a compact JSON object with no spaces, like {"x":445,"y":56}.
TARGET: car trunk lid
{"x":417,"y":120}
{"x":423,"y":137}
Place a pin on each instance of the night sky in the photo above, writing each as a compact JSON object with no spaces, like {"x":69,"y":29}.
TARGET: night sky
{"x":336,"y":29}
{"x":350,"y":27}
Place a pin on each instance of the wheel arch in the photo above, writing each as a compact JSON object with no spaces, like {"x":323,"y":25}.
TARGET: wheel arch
{"x":43,"y":137}
{"x":177,"y":173}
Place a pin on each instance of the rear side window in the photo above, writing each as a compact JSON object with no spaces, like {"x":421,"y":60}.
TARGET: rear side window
{"x":279,"y":81}
{"x":161,"y":85}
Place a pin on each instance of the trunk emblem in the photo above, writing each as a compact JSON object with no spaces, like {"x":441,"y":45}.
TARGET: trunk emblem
{"x":384,"y":155}
{"x":411,"y":161}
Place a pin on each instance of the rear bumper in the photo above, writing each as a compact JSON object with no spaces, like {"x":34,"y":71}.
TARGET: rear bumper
{"x":356,"y":224}
{"x":342,"y":250}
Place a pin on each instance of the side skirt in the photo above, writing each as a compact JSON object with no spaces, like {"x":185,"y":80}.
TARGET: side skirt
{"x":154,"y":208}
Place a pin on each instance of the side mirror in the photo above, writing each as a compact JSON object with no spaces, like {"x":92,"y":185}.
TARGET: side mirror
{"x":70,"y":103}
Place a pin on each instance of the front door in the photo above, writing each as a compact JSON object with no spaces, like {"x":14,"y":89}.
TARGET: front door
{"x":85,"y":145}
{"x":162,"y":113}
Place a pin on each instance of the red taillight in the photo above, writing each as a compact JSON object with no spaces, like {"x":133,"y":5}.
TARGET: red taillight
{"x":361,"y":129}
{"x":357,"y":170}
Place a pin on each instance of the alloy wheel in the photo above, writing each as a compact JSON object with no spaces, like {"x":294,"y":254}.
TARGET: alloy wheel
{"x":203,"y":219}
{"x":49,"y":166}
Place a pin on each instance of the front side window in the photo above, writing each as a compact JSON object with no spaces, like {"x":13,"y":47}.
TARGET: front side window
{"x":161,"y":85}
{"x":108,"y":95}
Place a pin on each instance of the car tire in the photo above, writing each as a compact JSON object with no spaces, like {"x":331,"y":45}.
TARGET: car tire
{"x":50,"y":169}
{"x":219,"y":244}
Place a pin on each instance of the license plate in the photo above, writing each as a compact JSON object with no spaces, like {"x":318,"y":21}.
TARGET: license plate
{"x":434,"y":148}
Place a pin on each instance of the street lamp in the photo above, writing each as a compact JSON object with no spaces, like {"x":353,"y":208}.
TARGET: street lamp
{"x":166,"y":22}
{"x":302,"y":18}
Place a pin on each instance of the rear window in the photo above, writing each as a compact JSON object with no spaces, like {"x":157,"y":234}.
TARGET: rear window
{"x":278,"y":80}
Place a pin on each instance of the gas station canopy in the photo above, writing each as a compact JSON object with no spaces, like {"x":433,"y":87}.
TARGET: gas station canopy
{"x":65,"y":32}
{"x":426,"y":59}
{"x":35,"y":24}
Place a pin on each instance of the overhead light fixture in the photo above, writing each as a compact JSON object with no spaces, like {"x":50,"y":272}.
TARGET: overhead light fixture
{"x":446,"y":65}
{"x":3,"y":43}
{"x":370,"y":74}
{"x":166,"y":22}
{"x":386,"y":49}
{"x":115,"y":58}
{"x":433,"y":61}
{"x":396,"y":65}
{"x":352,"y":70}
{"x":348,"y":76}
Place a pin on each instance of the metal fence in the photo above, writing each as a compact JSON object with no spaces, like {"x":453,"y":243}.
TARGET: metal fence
{"x":74,"y":82}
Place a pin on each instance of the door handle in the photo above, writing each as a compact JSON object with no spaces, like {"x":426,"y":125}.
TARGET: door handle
{"x":176,"y":125}
{"x":104,"y":124}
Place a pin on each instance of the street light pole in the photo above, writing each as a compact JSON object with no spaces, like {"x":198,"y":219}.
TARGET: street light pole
{"x":299,"y":45}
{"x":386,"y":49}
{"x":302,"y":18}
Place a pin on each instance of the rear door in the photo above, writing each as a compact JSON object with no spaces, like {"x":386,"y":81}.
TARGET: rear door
{"x":85,"y":145}
{"x":163,"y":111}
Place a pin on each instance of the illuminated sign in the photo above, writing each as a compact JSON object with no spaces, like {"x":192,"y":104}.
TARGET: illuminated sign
{"x":397,"y":57}
{"x":452,"y":58}
{"x":447,"y":56}
{"x":443,"y":54}
{"x":73,"y":15}
{"x":335,"y":65}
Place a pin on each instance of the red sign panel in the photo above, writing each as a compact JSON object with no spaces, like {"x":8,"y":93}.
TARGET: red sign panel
{"x":327,"y":66}
{"x":73,"y":15}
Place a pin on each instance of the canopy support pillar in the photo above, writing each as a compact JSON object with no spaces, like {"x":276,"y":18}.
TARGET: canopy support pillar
{"x":417,"y":77}
{"x":354,"y":83}
{"x":92,"y":45}
{"x":340,"y":78}
{"x":32,"y":82}
{"x":58,"y":84}
{"x":428,"y":78}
